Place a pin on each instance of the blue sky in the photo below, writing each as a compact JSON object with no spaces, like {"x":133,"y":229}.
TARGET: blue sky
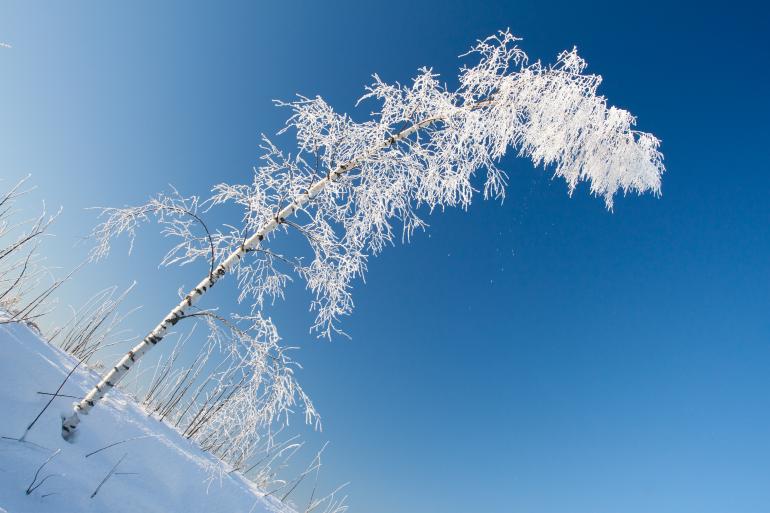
{"x":538,"y":356}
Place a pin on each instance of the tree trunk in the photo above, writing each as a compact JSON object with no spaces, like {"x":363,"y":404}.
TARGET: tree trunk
{"x":121,"y":368}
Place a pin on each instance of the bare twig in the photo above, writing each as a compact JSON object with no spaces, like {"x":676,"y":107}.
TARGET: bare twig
{"x":59,"y":395}
{"x":120,"y":442}
{"x":109,"y":475}
{"x":32,"y":486}
{"x":50,"y":400}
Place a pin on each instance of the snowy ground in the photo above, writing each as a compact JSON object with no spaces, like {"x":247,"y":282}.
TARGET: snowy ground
{"x":161,"y":472}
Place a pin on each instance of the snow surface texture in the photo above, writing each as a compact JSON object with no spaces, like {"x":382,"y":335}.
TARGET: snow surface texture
{"x":162,"y":472}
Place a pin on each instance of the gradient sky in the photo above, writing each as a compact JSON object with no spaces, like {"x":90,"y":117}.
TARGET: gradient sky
{"x":539,"y":356}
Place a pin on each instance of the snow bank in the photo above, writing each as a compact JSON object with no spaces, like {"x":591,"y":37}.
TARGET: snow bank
{"x":161,"y":471}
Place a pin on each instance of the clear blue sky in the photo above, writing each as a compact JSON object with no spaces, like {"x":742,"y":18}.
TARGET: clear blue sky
{"x":543,"y":356}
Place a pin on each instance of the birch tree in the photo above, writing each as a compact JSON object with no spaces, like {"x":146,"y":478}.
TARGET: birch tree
{"x":351,"y":187}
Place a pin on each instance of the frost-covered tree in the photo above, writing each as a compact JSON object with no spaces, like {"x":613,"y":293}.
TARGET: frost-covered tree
{"x":353,"y":187}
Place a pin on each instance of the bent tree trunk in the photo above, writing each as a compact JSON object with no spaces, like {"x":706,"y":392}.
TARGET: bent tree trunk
{"x":550,"y":114}
{"x":121,"y":368}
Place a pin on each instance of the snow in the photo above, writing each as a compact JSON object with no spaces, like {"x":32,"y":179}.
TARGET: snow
{"x":161,"y":471}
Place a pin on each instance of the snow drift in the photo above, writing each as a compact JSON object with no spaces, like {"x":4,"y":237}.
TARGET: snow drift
{"x":161,"y":470}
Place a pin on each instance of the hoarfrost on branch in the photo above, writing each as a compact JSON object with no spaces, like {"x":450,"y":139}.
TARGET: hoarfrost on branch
{"x":351,"y":188}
